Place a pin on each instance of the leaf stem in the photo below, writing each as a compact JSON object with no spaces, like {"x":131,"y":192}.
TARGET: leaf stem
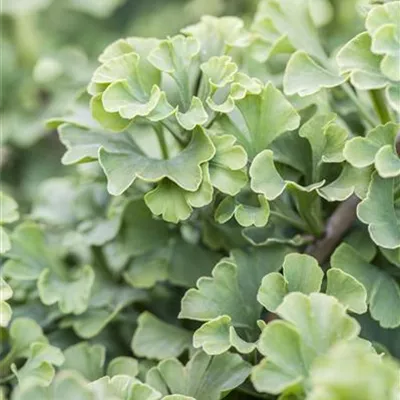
{"x":378,"y":100}
{"x":161,"y":141}
{"x":297,"y":223}
{"x":174,"y":134}
{"x":363,"y":110}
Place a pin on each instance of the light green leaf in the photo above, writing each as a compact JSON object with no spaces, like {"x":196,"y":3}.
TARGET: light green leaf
{"x":383,"y":26}
{"x":247,"y":213}
{"x":357,"y":61}
{"x":122,"y":387}
{"x":220,"y":71}
{"x":353,"y":371}
{"x":87,"y":359}
{"x":259,"y":119}
{"x":68,"y":385}
{"x":123,"y":166}
{"x":232,"y":290}
{"x":351,"y":180}
{"x":169,"y":201}
{"x":303,"y":76}
{"x":287,"y":25}
{"x":377,"y":210}
{"x":348,"y":290}
{"x":218,"y":35}
{"x":327,"y":140}
{"x":22,"y":333}
{"x":383,"y":292}
{"x":301,"y":273}
{"x":204,"y":377}
{"x":292,"y":345}
{"x":39,"y":366}
{"x":123,"y":366}
{"x":218,"y":335}
{"x":227,"y":172}
{"x":55,"y":289}
{"x":265,"y":179}
{"x":5,"y":243}
{"x":158,"y":340}
{"x":195,"y":115}
{"x":378,"y":148}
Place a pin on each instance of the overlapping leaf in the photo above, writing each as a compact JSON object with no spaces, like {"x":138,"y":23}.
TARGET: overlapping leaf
{"x":382,"y":288}
{"x":259,"y":119}
{"x":231,"y":293}
{"x":301,"y":273}
{"x":203,"y":378}
{"x":291,"y":346}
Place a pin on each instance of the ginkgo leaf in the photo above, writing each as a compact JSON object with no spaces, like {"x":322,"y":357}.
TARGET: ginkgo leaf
{"x":351,"y":180}
{"x":301,"y":273}
{"x":39,"y":367}
{"x":226,"y":168}
{"x":327,"y":140}
{"x":217,"y":35}
{"x":247,"y":213}
{"x":303,"y":76}
{"x":383,"y":26}
{"x":122,"y":387}
{"x":232,"y":280}
{"x":123,"y":166}
{"x":67,"y":385}
{"x":289,"y":21}
{"x":378,"y":211}
{"x":292,"y":345}
{"x":259,"y":119}
{"x":348,"y":290}
{"x":218,"y":335}
{"x":87,"y":359}
{"x":158,"y":340}
{"x":357,"y":61}
{"x":377,"y":148}
{"x":204,"y":377}
{"x":355,"y":371}
{"x":123,"y":366}
{"x":265,"y":178}
{"x":220,"y":71}
{"x":382,"y":289}
{"x":195,"y":115}
{"x":23,"y":332}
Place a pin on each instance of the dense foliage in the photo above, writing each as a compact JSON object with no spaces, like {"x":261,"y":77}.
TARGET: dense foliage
{"x":226,"y":223}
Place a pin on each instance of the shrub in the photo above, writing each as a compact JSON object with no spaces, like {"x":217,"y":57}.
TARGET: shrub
{"x":233,"y":226}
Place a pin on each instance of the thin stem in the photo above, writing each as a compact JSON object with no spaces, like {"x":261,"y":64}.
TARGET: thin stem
{"x":161,"y":141}
{"x":378,"y":100}
{"x":297,"y":223}
{"x":363,"y":110}
{"x":174,"y":134}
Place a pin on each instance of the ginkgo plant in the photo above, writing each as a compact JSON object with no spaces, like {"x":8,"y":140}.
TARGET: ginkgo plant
{"x":232,"y":227}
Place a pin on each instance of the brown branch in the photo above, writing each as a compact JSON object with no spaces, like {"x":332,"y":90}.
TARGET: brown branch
{"x":337,"y":226}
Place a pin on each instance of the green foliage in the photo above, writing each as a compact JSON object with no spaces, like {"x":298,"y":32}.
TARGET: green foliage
{"x":225,"y":219}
